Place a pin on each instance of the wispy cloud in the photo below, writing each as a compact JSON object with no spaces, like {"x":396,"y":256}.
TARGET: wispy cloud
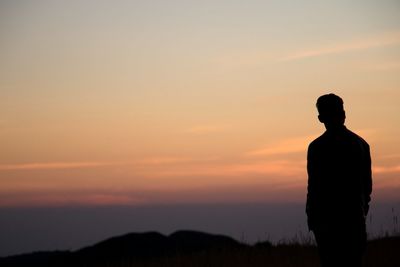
{"x":242,"y":171}
{"x":155,"y":160}
{"x":285,"y":146}
{"x":384,"y":169}
{"x":53,"y":165}
{"x":274,"y":168}
{"x":383,"y":40}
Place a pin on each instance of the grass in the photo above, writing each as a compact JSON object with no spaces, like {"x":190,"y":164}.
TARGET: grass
{"x":382,"y":252}
{"x":299,"y":251}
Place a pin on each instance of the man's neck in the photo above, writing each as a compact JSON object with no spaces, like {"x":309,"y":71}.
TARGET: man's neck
{"x":335,"y":128}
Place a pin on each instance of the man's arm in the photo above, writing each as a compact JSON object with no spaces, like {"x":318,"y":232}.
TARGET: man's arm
{"x":367,"y":179}
{"x":310,"y":188}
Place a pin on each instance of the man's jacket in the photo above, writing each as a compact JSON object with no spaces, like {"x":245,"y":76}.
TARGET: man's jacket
{"x":339,"y":179}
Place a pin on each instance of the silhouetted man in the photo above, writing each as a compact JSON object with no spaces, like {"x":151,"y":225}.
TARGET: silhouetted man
{"x":339,"y":187}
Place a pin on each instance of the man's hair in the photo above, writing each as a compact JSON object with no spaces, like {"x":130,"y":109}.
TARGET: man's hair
{"x":329,"y":104}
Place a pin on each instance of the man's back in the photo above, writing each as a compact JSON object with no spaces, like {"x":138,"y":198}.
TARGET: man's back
{"x":339,"y":169}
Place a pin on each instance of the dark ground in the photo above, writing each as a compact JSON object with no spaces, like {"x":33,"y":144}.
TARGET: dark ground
{"x":197,"y":249}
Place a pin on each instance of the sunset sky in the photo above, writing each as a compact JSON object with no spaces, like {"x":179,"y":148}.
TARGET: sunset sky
{"x":163,"y":102}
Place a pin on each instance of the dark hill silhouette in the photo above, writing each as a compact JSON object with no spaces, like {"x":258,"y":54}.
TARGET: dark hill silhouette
{"x":44,"y":258}
{"x":192,"y":248}
{"x":132,"y":247}
{"x":136,"y":245}
{"x":150,"y":245}
{"x":191,"y":241}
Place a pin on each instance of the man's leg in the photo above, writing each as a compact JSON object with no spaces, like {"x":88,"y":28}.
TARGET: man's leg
{"x":356,"y":244}
{"x":328,"y":251}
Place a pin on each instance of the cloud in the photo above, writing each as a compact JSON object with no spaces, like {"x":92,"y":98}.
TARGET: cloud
{"x":275,"y":168}
{"x":53,"y":165}
{"x":239,"y":171}
{"x":384,"y":169}
{"x":383,"y":40}
{"x":162,"y":160}
{"x":285,"y":146}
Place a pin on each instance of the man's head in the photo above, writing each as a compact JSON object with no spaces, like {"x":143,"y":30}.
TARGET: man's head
{"x":331,"y":111}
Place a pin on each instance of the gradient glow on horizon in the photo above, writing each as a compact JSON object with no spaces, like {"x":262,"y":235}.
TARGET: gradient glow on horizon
{"x":149,"y":102}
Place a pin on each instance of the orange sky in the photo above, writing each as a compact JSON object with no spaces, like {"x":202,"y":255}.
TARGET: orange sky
{"x":140,"y":103}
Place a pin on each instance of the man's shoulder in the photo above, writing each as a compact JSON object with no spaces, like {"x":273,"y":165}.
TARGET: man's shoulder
{"x":320,"y":139}
{"x":357,"y":138}
{"x":317,"y":141}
